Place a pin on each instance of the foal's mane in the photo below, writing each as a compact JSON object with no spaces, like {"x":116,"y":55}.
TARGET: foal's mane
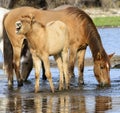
{"x":32,"y":19}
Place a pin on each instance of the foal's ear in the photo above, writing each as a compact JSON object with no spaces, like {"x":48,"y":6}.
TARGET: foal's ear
{"x":111,"y":55}
{"x":31,"y":16}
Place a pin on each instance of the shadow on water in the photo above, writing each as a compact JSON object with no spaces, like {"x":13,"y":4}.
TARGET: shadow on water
{"x":88,"y":98}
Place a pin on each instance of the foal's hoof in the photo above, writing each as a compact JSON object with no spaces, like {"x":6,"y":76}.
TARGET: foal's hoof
{"x":81,"y":83}
{"x":10,"y":87}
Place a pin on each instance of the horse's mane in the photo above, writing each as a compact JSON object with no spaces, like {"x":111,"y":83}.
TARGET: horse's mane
{"x":90,"y":31}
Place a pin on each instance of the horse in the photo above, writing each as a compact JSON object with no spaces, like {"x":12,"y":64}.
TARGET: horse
{"x":54,"y":41}
{"x":3,"y":11}
{"x":26,"y":59}
{"x":82,"y":33}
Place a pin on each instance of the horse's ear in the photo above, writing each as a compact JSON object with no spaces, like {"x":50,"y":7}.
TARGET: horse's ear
{"x":111,"y":55}
{"x":99,"y":56}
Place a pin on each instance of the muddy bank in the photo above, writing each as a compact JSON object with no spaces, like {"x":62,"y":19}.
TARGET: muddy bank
{"x":115,"y":62}
{"x":89,"y":62}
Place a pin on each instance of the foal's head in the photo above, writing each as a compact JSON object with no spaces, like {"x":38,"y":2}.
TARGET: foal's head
{"x":24,"y":24}
{"x":102,"y":69}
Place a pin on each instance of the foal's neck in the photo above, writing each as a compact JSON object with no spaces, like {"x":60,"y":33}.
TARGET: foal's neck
{"x":36,"y":31}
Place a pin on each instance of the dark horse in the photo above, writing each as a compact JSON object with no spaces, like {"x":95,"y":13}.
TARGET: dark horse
{"x":82,"y":32}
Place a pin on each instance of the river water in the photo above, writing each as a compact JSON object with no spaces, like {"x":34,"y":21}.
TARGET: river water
{"x":88,"y":98}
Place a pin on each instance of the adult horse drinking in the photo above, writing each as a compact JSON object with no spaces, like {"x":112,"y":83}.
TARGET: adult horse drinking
{"x":25,"y":61}
{"x":3,"y":11}
{"x":82,"y":31}
{"x":54,"y":41}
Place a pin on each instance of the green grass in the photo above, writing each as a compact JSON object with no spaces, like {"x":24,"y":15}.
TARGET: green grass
{"x":107,"y":21}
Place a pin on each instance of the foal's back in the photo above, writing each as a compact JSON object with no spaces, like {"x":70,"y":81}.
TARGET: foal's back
{"x":57,"y":36}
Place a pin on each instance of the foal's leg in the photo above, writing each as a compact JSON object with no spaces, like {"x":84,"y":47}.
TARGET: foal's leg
{"x":60,"y":67}
{"x":37,"y":66}
{"x":81,"y":58}
{"x":45,"y":59}
{"x":65,"y":57}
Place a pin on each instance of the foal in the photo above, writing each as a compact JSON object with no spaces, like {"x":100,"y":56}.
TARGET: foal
{"x":51,"y":39}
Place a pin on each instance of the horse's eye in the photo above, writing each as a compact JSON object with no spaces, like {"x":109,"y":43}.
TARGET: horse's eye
{"x":102,"y":67}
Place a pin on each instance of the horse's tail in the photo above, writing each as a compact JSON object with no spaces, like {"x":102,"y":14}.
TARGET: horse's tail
{"x":7,"y":51}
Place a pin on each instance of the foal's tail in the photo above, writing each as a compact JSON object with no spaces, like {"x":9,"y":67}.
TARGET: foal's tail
{"x":7,"y":52}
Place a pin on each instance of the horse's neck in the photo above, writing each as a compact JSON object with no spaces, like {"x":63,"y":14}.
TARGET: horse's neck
{"x":96,"y":46}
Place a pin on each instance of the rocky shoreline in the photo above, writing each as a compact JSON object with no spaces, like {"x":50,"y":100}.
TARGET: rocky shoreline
{"x":115,"y":62}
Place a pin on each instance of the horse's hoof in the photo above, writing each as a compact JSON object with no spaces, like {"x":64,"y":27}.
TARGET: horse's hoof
{"x":104,"y":85}
{"x":20,"y":83}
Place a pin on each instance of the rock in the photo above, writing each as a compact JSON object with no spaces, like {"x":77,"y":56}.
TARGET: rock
{"x":116,"y":66}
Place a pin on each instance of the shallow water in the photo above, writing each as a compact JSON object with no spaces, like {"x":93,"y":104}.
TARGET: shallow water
{"x":85,"y":99}
{"x":88,"y":98}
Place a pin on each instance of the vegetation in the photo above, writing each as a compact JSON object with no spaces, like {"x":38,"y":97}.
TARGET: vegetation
{"x":107,"y":21}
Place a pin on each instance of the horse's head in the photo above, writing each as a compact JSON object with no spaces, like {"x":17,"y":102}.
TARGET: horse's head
{"x":23,"y":25}
{"x":102,"y":69}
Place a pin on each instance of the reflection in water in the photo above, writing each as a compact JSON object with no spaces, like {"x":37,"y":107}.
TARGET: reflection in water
{"x":103,"y":104}
{"x":57,"y":103}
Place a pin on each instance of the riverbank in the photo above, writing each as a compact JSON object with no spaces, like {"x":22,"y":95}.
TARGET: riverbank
{"x":104,"y":18}
{"x":99,"y":12}
{"x":115,"y":61}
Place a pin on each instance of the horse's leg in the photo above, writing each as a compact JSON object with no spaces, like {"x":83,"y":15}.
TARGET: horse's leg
{"x":43,"y":72}
{"x":60,"y":67}
{"x":8,"y":57}
{"x":72,"y":59}
{"x":65,"y":57}
{"x":45,"y":59}
{"x":16,"y":60}
{"x":81,"y":58}
{"x":37,"y":67}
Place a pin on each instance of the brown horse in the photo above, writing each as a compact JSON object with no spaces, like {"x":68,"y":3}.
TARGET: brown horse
{"x":54,"y":41}
{"x":82,"y":33}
